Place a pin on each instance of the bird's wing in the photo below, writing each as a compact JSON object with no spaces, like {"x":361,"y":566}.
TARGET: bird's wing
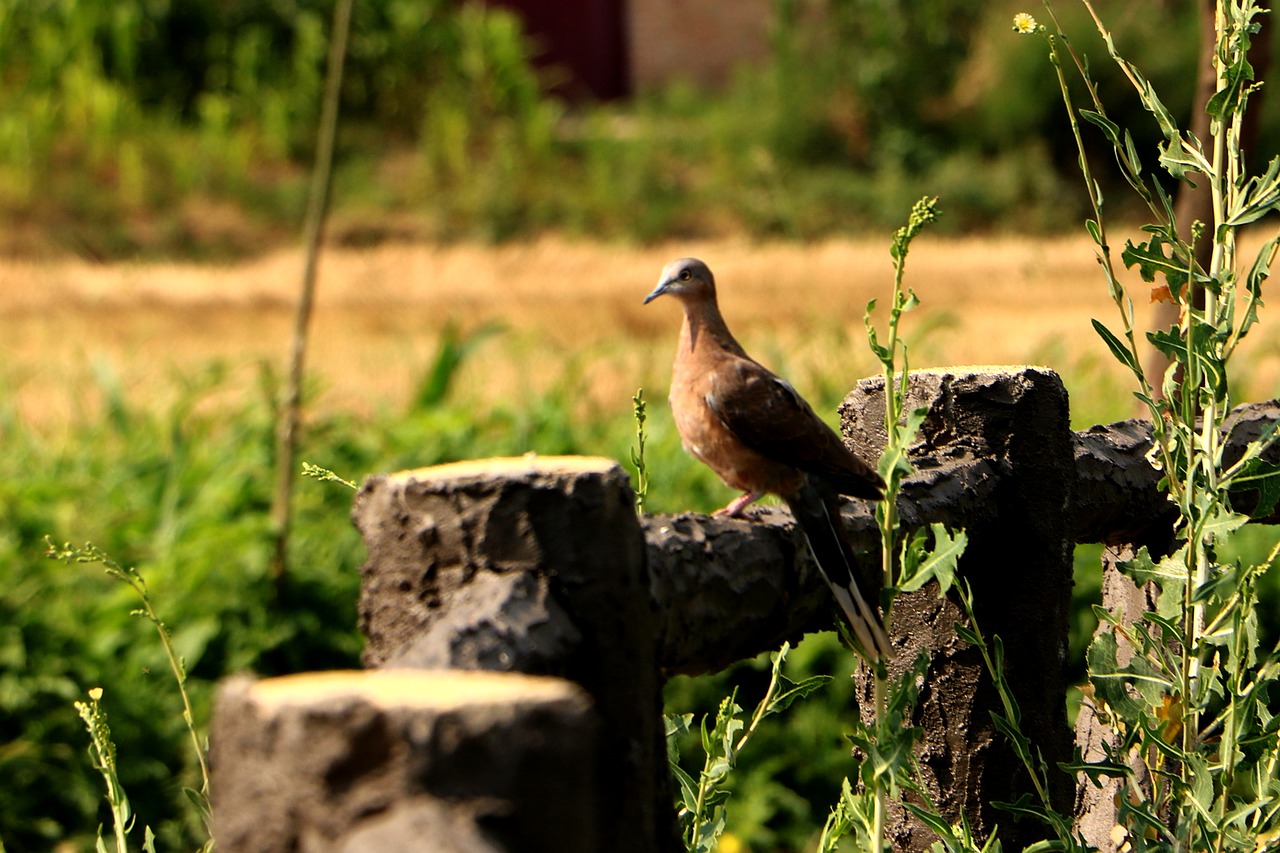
{"x":766,"y":414}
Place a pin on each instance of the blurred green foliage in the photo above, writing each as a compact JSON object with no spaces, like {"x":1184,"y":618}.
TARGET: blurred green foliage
{"x":152,"y":127}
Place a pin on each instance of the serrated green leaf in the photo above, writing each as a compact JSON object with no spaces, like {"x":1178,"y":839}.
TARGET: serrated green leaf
{"x":1201,"y":790}
{"x":1261,"y":268}
{"x":799,"y":691}
{"x":1258,"y":197}
{"x":1170,"y":343}
{"x":1142,"y":569}
{"x":919,"y":566}
{"x":1151,"y":259}
{"x":1222,"y":523}
{"x":1181,"y":160}
{"x":1110,"y":682}
{"x":1262,"y":478}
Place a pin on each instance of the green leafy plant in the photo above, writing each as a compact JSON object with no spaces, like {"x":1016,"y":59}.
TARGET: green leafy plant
{"x":102,"y":748}
{"x":1184,"y":688}
{"x":702,"y":801}
{"x":102,"y":752}
{"x":324,"y":475}
{"x":1009,"y":724}
{"x":637,"y":452}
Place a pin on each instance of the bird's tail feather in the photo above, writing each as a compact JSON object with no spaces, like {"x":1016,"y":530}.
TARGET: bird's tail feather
{"x":819,"y":519}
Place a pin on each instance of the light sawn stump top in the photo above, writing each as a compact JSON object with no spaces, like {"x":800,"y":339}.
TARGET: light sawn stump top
{"x":438,"y":690}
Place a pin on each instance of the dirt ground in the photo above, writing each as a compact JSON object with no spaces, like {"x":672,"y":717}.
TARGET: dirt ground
{"x":567,"y":309}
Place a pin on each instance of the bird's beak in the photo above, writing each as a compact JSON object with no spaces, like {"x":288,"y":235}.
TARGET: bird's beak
{"x":658,"y":291}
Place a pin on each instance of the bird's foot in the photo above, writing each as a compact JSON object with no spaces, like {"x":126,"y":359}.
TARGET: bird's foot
{"x":737,"y":505}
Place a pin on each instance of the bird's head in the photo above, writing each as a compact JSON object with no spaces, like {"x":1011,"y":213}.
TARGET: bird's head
{"x":686,"y":278}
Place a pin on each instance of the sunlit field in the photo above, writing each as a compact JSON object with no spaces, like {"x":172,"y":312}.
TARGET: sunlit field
{"x":562,"y":310}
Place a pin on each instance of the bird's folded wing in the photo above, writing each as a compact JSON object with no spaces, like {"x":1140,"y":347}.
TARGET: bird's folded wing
{"x":767,"y":415}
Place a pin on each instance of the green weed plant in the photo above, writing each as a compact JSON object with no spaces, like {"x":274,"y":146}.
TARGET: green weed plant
{"x":703,"y":801}
{"x":102,"y":749}
{"x":1196,"y":744}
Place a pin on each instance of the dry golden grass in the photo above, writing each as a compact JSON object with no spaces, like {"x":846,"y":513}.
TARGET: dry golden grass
{"x":571,"y":312}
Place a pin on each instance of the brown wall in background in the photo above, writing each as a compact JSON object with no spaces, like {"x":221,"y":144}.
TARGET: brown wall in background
{"x":698,"y":40}
{"x":608,"y":49}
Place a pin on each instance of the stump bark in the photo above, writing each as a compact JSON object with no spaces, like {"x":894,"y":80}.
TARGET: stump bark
{"x":537,"y":565}
{"x":419,"y":762}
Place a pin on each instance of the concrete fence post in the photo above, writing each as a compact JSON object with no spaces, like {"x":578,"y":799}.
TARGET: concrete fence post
{"x":534,"y":565}
{"x":994,"y":456}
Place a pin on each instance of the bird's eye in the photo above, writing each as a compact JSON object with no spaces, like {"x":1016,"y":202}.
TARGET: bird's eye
{"x":685,"y":275}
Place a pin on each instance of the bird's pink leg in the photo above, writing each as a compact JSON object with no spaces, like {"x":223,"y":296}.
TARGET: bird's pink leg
{"x":737,"y":505}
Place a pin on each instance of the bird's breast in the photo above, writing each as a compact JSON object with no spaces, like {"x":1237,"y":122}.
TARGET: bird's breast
{"x":706,"y":438}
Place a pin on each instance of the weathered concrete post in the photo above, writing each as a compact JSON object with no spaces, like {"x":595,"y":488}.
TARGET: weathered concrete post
{"x":994,"y":456}
{"x":407,"y":761}
{"x":532,"y":565}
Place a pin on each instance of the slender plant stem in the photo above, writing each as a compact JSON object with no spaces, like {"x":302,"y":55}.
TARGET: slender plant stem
{"x":290,"y":416}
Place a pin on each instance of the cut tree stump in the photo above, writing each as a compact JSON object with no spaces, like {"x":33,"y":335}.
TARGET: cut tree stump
{"x":407,"y":760}
{"x":530,"y":564}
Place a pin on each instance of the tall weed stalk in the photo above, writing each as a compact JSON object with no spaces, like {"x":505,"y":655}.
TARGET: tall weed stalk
{"x":102,"y":748}
{"x":908,"y":562}
{"x":1196,"y":745}
{"x":290,"y":416}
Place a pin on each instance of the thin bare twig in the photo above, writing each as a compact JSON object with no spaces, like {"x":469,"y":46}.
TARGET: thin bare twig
{"x":290,"y":415}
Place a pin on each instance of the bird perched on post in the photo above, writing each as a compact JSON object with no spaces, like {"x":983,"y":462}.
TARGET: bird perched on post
{"x":760,"y":436}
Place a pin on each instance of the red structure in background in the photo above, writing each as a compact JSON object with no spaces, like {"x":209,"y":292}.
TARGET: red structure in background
{"x":585,"y":39}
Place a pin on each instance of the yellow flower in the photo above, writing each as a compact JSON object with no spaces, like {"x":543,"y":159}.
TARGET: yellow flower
{"x":95,"y":693}
{"x":1024,"y":23}
{"x":730,"y":843}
